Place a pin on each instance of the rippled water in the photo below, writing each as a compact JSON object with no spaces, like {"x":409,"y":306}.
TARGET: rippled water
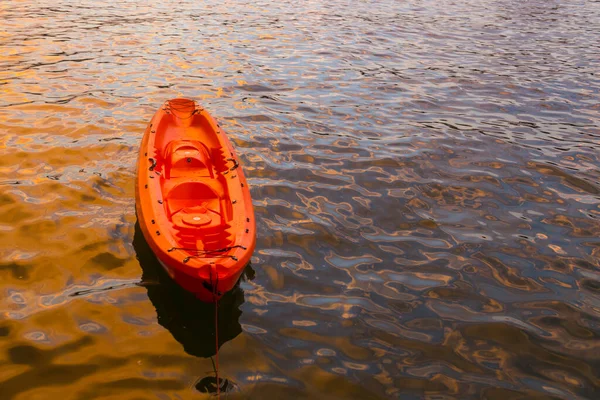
{"x":425,"y":174}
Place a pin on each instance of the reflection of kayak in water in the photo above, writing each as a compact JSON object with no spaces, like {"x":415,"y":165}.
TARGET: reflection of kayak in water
{"x":190,"y":321}
{"x":192,"y":200}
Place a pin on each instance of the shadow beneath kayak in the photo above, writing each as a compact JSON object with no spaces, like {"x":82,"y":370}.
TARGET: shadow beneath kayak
{"x":190,"y":321}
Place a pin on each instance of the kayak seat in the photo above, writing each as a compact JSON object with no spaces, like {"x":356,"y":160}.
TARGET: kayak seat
{"x":187,"y":158}
{"x":194,"y":205}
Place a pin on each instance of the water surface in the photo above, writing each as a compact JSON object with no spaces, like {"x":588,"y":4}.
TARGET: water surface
{"x":425,"y":175}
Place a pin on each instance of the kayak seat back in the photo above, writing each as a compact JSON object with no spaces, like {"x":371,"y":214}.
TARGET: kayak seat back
{"x":188,"y":158}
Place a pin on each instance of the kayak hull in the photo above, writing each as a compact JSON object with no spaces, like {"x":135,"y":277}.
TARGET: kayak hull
{"x":192,"y":200}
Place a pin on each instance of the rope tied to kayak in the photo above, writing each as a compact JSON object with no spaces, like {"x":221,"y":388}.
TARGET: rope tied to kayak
{"x":213,"y":250}
{"x":235,"y":164}
{"x":213,"y":253}
{"x":153,"y":163}
{"x":216,"y":301}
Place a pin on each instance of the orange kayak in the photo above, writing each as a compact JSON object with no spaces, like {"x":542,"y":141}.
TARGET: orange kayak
{"x":192,"y":200}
